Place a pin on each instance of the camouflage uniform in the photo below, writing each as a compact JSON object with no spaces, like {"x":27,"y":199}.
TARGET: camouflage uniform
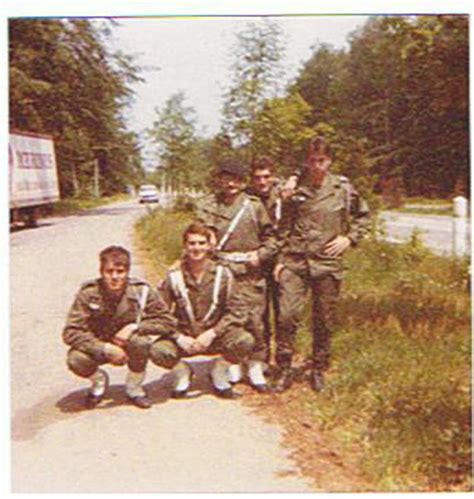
{"x":232,"y":340}
{"x":311,"y":218}
{"x":273,"y":204}
{"x":96,"y":316}
{"x":253,"y":232}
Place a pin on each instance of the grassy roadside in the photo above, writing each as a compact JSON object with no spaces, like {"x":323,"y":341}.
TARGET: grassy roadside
{"x":398,"y":400}
{"x":72,"y":206}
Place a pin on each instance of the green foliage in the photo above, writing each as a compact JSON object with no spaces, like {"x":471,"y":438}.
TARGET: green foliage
{"x":402,"y":88}
{"x":400,"y":385}
{"x":182,"y":156}
{"x":160,"y":235}
{"x":256,"y":76}
{"x":280,"y":131}
{"x":64,"y":82}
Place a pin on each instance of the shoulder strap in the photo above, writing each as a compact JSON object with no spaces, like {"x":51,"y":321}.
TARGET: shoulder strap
{"x":215,"y":293}
{"x":142,"y":302}
{"x":233,"y":224}
{"x":278,"y":205}
{"x":180,"y":290}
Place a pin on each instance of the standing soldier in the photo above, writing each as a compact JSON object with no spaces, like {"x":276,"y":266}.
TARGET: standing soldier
{"x":245,"y":239}
{"x":113,"y":320}
{"x":320,"y":221}
{"x":265,"y":186}
{"x":198,"y":290}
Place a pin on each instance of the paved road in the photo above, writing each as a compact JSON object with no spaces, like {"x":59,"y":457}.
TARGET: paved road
{"x":436,"y":230}
{"x":202,"y":444}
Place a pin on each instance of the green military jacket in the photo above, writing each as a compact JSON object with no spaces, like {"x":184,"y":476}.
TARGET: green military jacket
{"x":272,"y":202}
{"x":94,"y":318}
{"x":253,"y":232}
{"x":313,"y":217}
{"x":205,"y":315}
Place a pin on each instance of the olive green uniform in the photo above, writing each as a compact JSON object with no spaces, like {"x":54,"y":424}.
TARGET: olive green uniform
{"x":96,"y":316}
{"x":232,"y":340}
{"x":253,"y":232}
{"x":311,"y":218}
{"x":273,"y":204}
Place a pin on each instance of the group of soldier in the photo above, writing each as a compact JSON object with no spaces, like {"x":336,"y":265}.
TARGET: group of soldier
{"x":251,"y":255}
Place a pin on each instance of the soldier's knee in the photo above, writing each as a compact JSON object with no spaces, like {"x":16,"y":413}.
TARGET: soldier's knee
{"x":138,"y":343}
{"x":241,"y":343}
{"x":81,"y":364}
{"x":164,"y":353}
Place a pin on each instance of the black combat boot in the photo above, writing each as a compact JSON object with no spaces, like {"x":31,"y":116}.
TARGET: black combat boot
{"x":141,"y":401}
{"x":317,"y":381}
{"x":284,"y":380}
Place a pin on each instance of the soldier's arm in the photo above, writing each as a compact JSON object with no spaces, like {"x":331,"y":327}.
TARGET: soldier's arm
{"x":359,"y":223}
{"x":269,"y":243}
{"x":76,"y":333}
{"x":157,"y":318}
{"x":287,"y":221}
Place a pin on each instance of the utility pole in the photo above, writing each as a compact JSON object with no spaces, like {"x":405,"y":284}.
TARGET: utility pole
{"x":96,"y":190}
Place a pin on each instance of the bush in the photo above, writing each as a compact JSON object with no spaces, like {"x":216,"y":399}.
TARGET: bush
{"x":160,"y":236}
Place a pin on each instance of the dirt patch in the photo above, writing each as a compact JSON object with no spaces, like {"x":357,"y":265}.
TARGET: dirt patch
{"x":317,"y":456}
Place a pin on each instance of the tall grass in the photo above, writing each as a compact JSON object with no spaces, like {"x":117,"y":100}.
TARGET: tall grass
{"x":159,"y":235}
{"x":400,"y":383}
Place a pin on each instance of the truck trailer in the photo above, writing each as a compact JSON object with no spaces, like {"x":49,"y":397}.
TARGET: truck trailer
{"x":33,"y":176}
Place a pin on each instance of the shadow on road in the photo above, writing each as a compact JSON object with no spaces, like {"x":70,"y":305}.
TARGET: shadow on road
{"x":27,"y":423}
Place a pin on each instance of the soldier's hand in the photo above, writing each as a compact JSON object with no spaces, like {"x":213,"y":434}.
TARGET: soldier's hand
{"x":206,"y":338}
{"x":277,"y":271}
{"x":254,"y":260}
{"x":115,"y":355}
{"x":337,"y":246}
{"x":289,"y":188}
{"x":186,"y":343}
{"x":124,"y":334}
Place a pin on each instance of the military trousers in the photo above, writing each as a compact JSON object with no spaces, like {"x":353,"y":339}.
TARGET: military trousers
{"x":271,"y":310}
{"x":248,"y":300}
{"x":235,"y":346}
{"x":324,"y":297}
{"x":137,"y":350}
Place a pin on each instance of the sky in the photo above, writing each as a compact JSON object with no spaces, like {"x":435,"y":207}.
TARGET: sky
{"x":194,"y":55}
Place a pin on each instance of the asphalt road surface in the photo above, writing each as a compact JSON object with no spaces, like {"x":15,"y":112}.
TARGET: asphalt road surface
{"x":202,"y":444}
{"x":436,"y":231}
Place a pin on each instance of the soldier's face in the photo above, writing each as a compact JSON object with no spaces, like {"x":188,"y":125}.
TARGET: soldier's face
{"x":230,"y":185}
{"x":262,"y":180}
{"x":319,"y":164}
{"x":114,"y":277}
{"x":196,"y":247}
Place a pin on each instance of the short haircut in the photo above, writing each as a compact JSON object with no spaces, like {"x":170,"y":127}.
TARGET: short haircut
{"x":318,"y":145}
{"x":262,"y":163}
{"x":197,"y":228}
{"x":117,"y":255}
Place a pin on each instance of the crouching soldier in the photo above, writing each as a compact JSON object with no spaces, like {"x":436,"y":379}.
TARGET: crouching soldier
{"x":113,"y":320}
{"x":199,"y":291}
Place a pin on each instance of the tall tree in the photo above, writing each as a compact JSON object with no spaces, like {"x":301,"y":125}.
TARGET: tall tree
{"x":256,"y":76}
{"x":65,"y":82}
{"x":180,"y":152}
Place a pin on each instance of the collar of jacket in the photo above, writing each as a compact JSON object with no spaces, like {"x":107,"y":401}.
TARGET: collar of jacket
{"x":310,"y":190}
{"x":208,"y":276}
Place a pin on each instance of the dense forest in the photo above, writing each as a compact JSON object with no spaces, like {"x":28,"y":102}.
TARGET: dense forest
{"x":394,"y":104}
{"x":65,"y":83}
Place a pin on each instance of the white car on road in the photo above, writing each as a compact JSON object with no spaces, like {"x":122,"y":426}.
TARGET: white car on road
{"x":148,"y":194}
